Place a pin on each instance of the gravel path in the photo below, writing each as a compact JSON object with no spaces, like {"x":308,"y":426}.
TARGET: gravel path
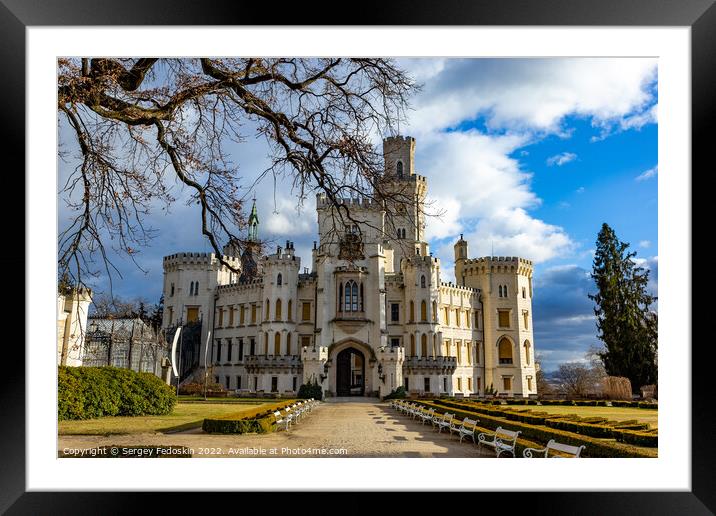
{"x":346,"y":429}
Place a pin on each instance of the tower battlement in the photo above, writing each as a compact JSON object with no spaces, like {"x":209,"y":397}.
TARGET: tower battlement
{"x":498,"y":264}
{"x":198,"y":259}
{"x":323,"y":202}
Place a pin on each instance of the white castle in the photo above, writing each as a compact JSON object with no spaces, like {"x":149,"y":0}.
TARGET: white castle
{"x":372,"y":313}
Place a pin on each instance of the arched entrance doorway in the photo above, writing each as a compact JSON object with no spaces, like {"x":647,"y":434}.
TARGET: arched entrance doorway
{"x":350,"y":373}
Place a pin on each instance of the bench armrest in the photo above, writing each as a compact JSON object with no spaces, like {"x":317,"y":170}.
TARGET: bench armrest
{"x":528,"y":453}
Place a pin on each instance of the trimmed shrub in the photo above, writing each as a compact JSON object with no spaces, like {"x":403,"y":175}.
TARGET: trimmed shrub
{"x":310,"y":390}
{"x":398,"y":393}
{"x":648,"y":405}
{"x":91,"y":392}
{"x":260,"y":421}
{"x":492,"y":418}
{"x":649,"y":438}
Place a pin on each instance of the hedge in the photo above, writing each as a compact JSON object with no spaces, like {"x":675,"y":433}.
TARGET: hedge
{"x":92,"y":392}
{"x":649,"y":438}
{"x":260,"y":421}
{"x":540,"y":433}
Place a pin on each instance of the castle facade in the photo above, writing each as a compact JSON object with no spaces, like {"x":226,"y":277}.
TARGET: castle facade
{"x":370,"y":314}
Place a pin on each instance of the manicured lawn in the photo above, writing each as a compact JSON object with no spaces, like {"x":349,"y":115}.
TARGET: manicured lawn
{"x":615,"y":413}
{"x":184,"y":416}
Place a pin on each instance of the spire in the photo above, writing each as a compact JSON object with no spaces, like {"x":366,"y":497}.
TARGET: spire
{"x":254,"y":223}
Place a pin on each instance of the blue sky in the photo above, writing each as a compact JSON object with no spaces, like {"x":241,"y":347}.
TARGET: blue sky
{"x":524,"y":156}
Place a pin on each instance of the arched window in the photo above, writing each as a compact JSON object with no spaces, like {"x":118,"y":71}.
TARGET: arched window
{"x":277,"y":344}
{"x":435,"y":312}
{"x":504,"y":290}
{"x":279,"y":280}
{"x":504,"y":351}
{"x":288,"y":343}
{"x":500,"y":291}
{"x":268,"y":310}
{"x":266,"y":343}
{"x":423,"y":345}
{"x":289,"y":315}
{"x":191,"y":288}
{"x":278,"y":314}
{"x":527,"y":352}
{"x":423,"y":311}
{"x":422,"y":281}
{"x":399,"y":233}
{"x":196,"y":288}
{"x":403,"y":231}
{"x":399,"y":168}
{"x":457,"y":317}
{"x":412,"y":345}
{"x":352,"y":303}
{"x":435,"y":345}
{"x":412,"y":311}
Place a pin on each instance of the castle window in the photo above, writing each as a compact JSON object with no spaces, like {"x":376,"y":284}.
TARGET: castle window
{"x":253,"y":314}
{"x":524,"y":293}
{"x":395,"y":342}
{"x":305,"y":341}
{"x":238,"y":383}
{"x":218,"y":350}
{"x":499,"y":291}
{"x":277,"y":344}
{"x":278,"y":315}
{"x":435,"y":312}
{"x":228,"y":350}
{"x":412,"y":311}
{"x":288,"y":344}
{"x":423,"y":345}
{"x":241,"y":351}
{"x":306,"y":311}
{"x":172,"y":290}
{"x":252,"y":347}
{"x":503,"y":318}
{"x":399,"y":233}
{"x":340,"y":297}
{"x":351,"y":303}
{"x":423,"y":311}
{"x":458,"y":345}
{"x":529,"y":383}
{"x":274,"y":384}
{"x":231,"y":316}
{"x":435,"y":345}
{"x":422,"y":281}
{"x":504,"y":290}
{"x":469,"y":384}
{"x":241,"y":315}
{"x":221,"y":317}
{"x":426,"y":384}
{"x":290,"y":310}
{"x":279,"y":280}
{"x":394,"y":312}
{"x":504,"y":351}
{"x":525,"y":316}
{"x":196,"y":288}
{"x":527,"y":353}
{"x":268,"y":310}
{"x":507,"y":383}
{"x":477,"y":353}
{"x":191,"y":288}
{"x":457,"y":317}
{"x":469,"y":355}
{"x":459,"y":384}
{"x":266,"y":343}
{"x":412,"y":345}
{"x":447,"y":316}
{"x":399,"y":168}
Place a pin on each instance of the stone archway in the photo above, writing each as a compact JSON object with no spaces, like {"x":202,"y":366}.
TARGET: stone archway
{"x":350,"y":372}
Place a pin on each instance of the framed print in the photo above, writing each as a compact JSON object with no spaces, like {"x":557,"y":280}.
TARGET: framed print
{"x":374,"y":301}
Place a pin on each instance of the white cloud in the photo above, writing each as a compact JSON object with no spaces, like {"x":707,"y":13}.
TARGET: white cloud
{"x":580,"y":189}
{"x":648,"y":174}
{"x":645,"y":244}
{"x":561,"y":159}
{"x":536,"y":94}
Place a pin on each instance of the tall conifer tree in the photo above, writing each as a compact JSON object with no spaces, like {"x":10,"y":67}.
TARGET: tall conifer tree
{"x":625,"y":321}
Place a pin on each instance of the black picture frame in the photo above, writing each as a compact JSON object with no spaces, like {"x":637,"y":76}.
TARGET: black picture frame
{"x":17,"y":15}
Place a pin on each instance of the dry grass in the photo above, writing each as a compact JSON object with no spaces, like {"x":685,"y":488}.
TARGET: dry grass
{"x":184,"y":416}
{"x":614,"y":413}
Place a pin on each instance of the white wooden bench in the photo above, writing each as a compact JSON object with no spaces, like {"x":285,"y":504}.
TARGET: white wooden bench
{"x":467,"y":428}
{"x":283,"y":421}
{"x":503,"y":440}
{"x":428,"y":415}
{"x":566,"y":451}
{"x":445,"y":421}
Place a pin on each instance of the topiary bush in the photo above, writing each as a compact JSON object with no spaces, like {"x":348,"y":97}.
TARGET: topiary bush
{"x":91,"y":392}
{"x":310,"y":390}
{"x":398,"y":393}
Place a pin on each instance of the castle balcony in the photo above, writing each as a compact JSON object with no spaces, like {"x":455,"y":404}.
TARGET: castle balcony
{"x":270,"y":363}
{"x":430,"y":365}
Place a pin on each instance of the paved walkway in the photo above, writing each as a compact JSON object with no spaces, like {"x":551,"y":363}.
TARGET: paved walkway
{"x":351,"y":429}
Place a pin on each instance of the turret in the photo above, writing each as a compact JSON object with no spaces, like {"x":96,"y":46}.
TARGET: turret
{"x":399,"y":154}
{"x":461,"y":254}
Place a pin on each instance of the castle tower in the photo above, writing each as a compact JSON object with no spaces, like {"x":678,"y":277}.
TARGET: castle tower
{"x":506,"y":290}
{"x":406,"y":191}
{"x":461,"y":254}
{"x":249,"y":258}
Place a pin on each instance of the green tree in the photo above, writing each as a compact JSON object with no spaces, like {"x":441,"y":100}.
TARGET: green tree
{"x":625,"y":321}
